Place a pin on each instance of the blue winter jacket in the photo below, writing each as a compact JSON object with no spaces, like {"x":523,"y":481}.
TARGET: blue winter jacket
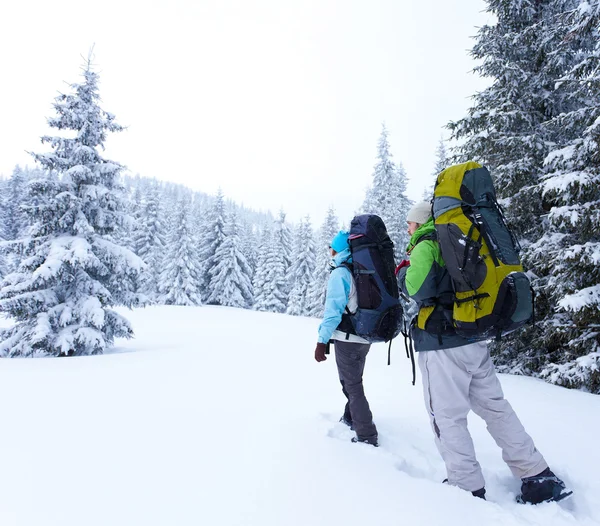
{"x":338,"y":293}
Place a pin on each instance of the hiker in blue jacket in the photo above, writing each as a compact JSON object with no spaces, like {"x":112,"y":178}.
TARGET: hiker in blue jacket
{"x":350,"y":350}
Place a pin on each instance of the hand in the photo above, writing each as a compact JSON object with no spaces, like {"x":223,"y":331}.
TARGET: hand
{"x":403,"y":263}
{"x":320,"y":352}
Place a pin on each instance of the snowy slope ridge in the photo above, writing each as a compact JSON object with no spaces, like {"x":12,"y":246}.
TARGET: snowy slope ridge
{"x":220,"y":416}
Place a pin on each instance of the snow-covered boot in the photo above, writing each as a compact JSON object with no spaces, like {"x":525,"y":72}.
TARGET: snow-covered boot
{"x":545,"y":487}
{"x":371,"y":441}
{"x":480,"y":493}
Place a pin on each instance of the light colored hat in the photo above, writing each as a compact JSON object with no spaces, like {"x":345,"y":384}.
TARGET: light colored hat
{"x":419,"y":213}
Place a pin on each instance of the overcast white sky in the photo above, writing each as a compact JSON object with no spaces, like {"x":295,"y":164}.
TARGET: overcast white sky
{"x":279,"y":102}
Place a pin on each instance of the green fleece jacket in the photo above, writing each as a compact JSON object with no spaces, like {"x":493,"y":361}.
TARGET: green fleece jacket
{"x":428,"y":283}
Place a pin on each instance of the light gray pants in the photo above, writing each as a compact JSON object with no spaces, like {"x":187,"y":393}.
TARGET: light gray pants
{"x":461,"y":379}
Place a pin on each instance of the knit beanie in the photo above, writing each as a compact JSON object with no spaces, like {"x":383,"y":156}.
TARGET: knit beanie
{"x":419,"y":213}
{"x":340,"y":241}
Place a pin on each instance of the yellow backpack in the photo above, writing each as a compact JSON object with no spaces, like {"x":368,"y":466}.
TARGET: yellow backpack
{"x":493,"y":295}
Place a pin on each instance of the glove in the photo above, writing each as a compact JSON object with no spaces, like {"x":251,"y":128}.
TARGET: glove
{"x":403,"y":263}
{"x":320,"y":352}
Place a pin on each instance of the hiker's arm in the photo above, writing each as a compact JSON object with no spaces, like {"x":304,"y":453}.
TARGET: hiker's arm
{"x":338,"y":292}
{"x":419,"y":279}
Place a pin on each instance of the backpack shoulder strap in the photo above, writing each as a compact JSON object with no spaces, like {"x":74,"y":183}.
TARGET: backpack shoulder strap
{"x":350,"y":268}
{"x":432,"y":236}
{"x":347,"y":265}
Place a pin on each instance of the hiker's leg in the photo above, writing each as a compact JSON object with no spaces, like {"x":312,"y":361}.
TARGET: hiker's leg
{"x":347,"y":416}
{"x":446,"y":391}
{"x":350,"y":359}
{"x":487,"y":400}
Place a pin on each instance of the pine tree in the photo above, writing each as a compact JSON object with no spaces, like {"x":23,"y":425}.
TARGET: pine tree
{"x":285,"y":240}
{"x":441,"y":163}
{"x":277,"y":261}
{"x":260,"y":272}
{"x":4,"y":250}
{"x":212,"y":239}
{"x":248,"y":245}
{"x":3,"y":266}
{"x":15,"y":218}
{"x":387,"y":196}
{"x":504,"y":128}
{"x":200,"y":210}
{"x":4,"y":247}
{"x":230,"y":283}
{"x":127,"y":232}
{"x":181,"y":276}
{"x":275,"y":295}
{"x":567,"y":256}
{"x":534,"y":128}
{"x":149,"y":241}
{"x":72,"y":272}
{"x":318,"y":286}
{"x":3,"y":207}
{"x":302,"y":270}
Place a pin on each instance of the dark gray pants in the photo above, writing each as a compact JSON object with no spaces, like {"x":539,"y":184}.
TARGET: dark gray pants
{"x":350,"y":358}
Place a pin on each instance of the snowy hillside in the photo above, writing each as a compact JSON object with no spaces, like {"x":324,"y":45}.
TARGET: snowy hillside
{"x":216,"y":416}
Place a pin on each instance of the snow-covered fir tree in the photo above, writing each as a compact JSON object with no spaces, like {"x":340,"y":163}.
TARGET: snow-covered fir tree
{"x":567,"y":256}
{"x":4,"y":248}
{"x":127,"y":232}
{"x":4,"y":252}
{"x":3,"y":207}
{"x":15,"y":218}
{"x":171,"y":195}
{"x":318,"y":286}
{"x":3,"y":266}
{"x":302,"y":270}
{"x":230,"y":283}
{"x":504,"y":129}
{"x":212,"y":238}
{"x":249,"y":245}
{"x":286,"y":242}
{"x":387,"y":196}
{"x":149,"y":241}
{"x":72,"y":272}
{"x":441,"y":163}
{"x":534,"y":128}
{"x":200,"y":210}
{"x":170,"y":198}
{"x":274,"y":296}
{"x":260,"y":270}
{"x":276,"y":266}
{"x":180,"y":278}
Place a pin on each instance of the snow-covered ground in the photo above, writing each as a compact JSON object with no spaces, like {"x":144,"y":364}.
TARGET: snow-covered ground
{"x":216,"y":416}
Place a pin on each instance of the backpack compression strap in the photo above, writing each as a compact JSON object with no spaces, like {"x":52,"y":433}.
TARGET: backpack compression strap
{"x":408,"y":340}
{"x":346,"y":316}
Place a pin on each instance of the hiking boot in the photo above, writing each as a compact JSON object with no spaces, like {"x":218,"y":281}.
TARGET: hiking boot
{"x":480,"y":493}
{"x":371,"y":441}
{"x":346,"y":421}
{"x":544,"y":487}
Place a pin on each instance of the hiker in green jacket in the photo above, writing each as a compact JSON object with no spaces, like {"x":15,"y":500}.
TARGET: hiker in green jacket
{"x":459,"y":376}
